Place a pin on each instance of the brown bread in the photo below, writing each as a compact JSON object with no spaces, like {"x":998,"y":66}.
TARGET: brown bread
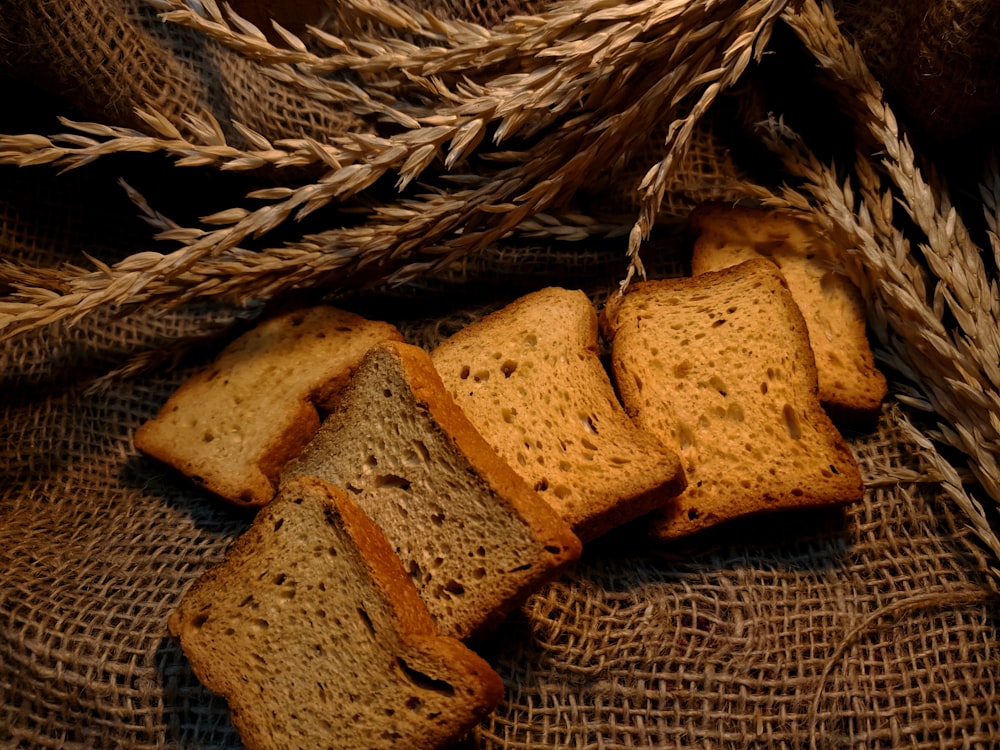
{"x":233,"y":426}
{"x":719,"y":366}
{"x":530,"y":379}
{"x":475,"y":539}
{"x":316,"y":637}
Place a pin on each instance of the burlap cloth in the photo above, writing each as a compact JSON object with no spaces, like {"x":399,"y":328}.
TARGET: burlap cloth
{"x":869,"y":626}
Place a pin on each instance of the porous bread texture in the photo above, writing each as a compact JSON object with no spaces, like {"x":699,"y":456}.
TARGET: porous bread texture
{"x":233,"y":426}
{"x":530,"y":379}
{"x":719,"y":366}
{"x":850,"y":386}
{"x":315,"y":636}
{"x":475,"y":539}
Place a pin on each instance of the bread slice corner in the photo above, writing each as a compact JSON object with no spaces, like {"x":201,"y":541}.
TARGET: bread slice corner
{"x":529,"y":377}
{"x":314,"y":634}
{"x":851,"y":387}
{"x":475,"y":539}
{"x":232,"y":426}
{"x":720,"y":367}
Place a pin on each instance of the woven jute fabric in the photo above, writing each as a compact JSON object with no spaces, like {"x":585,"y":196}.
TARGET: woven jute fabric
{"x":938,"y":59}
{"x":869,"y":626}
{"x":109,"y":58}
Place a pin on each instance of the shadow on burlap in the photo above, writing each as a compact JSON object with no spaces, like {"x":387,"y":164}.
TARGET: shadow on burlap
{"x":870,"y":626}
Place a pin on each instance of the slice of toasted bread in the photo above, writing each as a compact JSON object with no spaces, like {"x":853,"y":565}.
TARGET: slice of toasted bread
{"x":473,"y":536}
{"x":719,"y":366}
{"x":850,"y":386}
{"x":234,"y":425}
{"x":314,"y":634}
{"x":530,"y":379}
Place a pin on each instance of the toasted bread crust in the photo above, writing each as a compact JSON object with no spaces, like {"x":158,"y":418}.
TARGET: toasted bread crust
{"x":427,"y":386}
{"x":528,"y":376}
{"x":399,"y":619}
{"x":234,"y":425}
{"x":678,"y":353}
{"x":851,"y":387}
{"x":457,"y":488}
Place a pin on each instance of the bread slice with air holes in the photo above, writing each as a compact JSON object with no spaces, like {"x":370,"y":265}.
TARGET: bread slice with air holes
{"x":850,"y":386}
{"x":475,"y":539}
{"x":529,"y":378}
{"x":719,"y":366}
{"x":314,"y":634}
{"x":234,"y":425}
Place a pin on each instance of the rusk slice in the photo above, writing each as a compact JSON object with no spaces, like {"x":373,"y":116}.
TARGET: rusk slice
{"x":233,"y":426}
{"x":475,"y":539}
{"x":314,"y":634}
{"x":719,"y":366}
{"x":850,"y":386}
{"x":530,"y":379}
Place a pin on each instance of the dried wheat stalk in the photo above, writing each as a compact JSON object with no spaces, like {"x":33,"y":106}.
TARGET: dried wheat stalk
{"x":953,"y":370}
{"x":661,"y":57}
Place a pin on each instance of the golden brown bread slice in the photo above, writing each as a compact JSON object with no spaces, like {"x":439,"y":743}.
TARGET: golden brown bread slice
{"x":234,"y":425}
{"x":475,"y":539}
{"x":530,"y":379}
{"x":719,"y":366}
{"x":314,"y":634}
{"x":850,"y":386}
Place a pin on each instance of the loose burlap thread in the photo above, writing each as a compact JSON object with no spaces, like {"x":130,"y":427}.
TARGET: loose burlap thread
{"x":869,"y":626}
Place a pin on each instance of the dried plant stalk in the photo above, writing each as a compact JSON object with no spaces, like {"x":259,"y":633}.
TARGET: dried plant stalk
{"x":580,"y":96}
{"x":953,"y":369}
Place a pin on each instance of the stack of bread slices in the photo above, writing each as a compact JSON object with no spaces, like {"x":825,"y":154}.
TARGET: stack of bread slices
{"x":407,"y":501}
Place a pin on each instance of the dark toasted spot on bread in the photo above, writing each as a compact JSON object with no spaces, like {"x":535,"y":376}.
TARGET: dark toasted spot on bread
{"x":392,"y":480}
{"x":367,"y":620}
{"x":791,"y":422}
{"x":718,"y":384}
{"x":423,"y":681}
